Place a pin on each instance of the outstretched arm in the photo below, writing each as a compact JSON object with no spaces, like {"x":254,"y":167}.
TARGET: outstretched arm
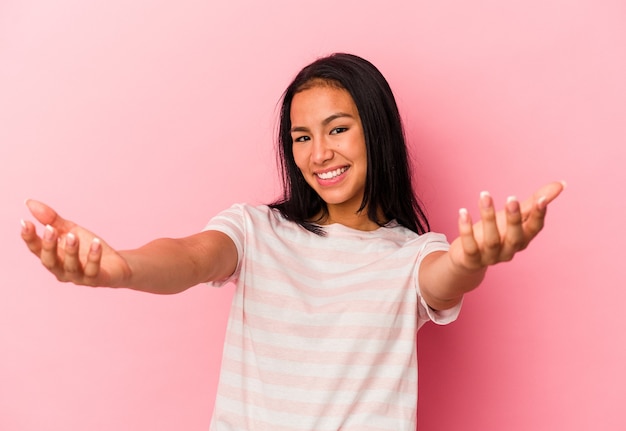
{"x":74,"y":254}
{"x":446,"y":276}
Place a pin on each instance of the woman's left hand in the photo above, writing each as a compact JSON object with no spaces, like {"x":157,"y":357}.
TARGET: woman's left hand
{"x":500,"y":234}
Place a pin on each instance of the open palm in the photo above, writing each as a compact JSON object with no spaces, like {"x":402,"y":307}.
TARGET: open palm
{"x":500,"y":234}
{"x":71,"y":252}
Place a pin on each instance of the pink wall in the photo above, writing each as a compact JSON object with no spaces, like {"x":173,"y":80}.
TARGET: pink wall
{"x":144,"y":118}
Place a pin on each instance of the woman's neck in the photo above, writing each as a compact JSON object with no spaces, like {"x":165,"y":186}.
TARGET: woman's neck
{"x":349,"y":218}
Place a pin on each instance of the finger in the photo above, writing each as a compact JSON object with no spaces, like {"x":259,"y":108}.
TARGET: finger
{"x":47,"y":216}
{"x":29,"y":235}
{"x":71,"y":261}
{"x":48,"y":255}
{"x":536,"y":218}
{"x":491,"y":235}
{"x":92,"y":266}
{"x":468,"y":241}
{"x":549,"y":191}
{"x":514,"y":238}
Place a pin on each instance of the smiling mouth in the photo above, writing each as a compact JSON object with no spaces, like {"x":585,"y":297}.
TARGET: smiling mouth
{"x":332,"y":174}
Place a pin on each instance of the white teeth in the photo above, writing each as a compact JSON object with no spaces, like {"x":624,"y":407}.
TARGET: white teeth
{"x":332,"y":174}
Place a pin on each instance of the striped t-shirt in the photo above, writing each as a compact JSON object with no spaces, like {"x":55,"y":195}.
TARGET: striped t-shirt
{"x":322,"y":329}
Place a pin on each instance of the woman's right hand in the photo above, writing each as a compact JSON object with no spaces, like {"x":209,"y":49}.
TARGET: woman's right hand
{"x":72,"y":253}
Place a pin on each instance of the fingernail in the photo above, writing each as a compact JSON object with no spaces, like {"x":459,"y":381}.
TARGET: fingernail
{"x":512,"y":204}
{"x":564,"y":184}
{"x":48,"y":233}
{"x":71,"y":239}
{"x":541,"y":202}
{"x":464,"y":215}
{"x":23,"y":223}
{"x":95,"y":245}
{"x":485,"y":199}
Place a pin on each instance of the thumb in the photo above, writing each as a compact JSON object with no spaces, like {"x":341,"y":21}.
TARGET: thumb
{"x":549,"y":192}
{"x":46,"y":215}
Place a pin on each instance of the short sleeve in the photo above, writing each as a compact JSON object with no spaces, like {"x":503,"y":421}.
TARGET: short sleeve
{"x":230,"y":222}
{"x":433,"y":242}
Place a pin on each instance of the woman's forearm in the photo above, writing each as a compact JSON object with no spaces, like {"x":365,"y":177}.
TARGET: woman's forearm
{"x":167,"y":266}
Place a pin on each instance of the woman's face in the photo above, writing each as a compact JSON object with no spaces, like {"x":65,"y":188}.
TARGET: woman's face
{"x":329,"y":146}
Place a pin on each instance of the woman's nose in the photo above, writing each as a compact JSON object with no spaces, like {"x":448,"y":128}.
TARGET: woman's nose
{"x":321,"y":151}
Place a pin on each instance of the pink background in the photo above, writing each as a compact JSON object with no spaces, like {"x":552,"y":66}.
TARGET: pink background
{"x":144,"y":118}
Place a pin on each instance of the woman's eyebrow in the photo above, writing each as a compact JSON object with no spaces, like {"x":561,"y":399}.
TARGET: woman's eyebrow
{"x":325,"y":122}
{"x":335,"y":116}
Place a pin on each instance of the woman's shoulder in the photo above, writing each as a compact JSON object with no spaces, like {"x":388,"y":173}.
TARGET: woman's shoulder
{"x":256,"y":214}
{"x":257,"y":211}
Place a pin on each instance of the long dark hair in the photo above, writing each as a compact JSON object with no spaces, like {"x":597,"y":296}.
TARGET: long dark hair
{"x":388,"y":185}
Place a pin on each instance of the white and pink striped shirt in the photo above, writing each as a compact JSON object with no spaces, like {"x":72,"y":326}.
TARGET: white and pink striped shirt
{"x":322,"y":330}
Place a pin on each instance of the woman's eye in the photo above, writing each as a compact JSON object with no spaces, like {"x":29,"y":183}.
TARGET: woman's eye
{"x":337,"y":130}
{"x":301,"y":138}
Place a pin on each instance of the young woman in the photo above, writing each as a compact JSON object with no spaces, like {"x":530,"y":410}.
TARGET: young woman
{"x":333,"y":280}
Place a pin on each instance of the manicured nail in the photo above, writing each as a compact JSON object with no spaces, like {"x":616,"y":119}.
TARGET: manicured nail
{"x":95,"y":245}
{"x":464,"y":215}
{"x":541,"y":202}
{"x":564,"y":184}
{"x":48,"y":233}
{"x":23,"y":223}
{"x":512,"y":204}
{"x":70,"y":239}
{"x":485,"y":199}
